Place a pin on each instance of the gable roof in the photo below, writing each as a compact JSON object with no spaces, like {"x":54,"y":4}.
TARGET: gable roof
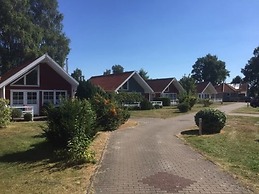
{"x":160,"y":85}
{"x":114,"y":82}
{"x":205,"y":87}
{"x":20,"y":70}
{"x":222,"y":88}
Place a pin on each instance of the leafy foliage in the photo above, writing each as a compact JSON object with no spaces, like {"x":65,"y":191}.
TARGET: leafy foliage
{"x":86,"y":90}
{"x":183,"y":106}
{"x":189,"y":99}
{"x":165,"y":101}
{"x":188,"y":83}
{"x":109,"y":115}
{"x":206,"y":102}
{"x":143,"y":74}
{"x":107,"y":72}
{"x":237,"y":80}
{"x":30,"y":29}
{"x":210,"y":69}
{"x":74,"y":118}
{"x":5,"y":113}
{"x":213,"y":120}
{"x":251,"y":73}
{"x":117,"y":69}
{"x":27,"y":117}
{"x":128,"y":97}
{"x":146,"y":105}
{"x":16,"y":113}
{"x":77,"y":75}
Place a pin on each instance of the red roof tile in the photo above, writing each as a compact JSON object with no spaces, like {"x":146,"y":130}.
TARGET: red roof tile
{"x":159,"y":85}
{"x":225,"y":88}
{"x":201,"y":86}
{"x":110,"y":82}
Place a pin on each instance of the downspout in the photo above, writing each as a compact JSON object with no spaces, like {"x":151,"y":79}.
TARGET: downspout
{"x":4,"y":92}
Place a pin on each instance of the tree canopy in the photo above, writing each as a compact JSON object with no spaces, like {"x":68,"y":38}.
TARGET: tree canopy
{"x":251,"y":72}
{"x":28,"y":29}
{"x":107,"y":72}
{"x":143,"y":74}
{"x":237,"y":80}
{"x":117,"y":69}
{"x":188,"y":84}
{"x":77,"y":75}
{"x":209,"y":68}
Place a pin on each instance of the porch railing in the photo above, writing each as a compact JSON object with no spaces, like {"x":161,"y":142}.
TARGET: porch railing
{"x":25,"y":109}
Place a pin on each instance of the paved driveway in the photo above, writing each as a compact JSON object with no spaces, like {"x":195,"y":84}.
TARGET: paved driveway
{"x":149,"y":158}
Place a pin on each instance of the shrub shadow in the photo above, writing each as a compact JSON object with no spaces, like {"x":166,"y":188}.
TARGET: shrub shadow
{"x":190,"y":132}
{"x":38,"y":152}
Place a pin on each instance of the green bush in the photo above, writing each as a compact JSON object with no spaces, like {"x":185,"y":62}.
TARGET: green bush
{"x":5,"y":113}
{"x":16,"y":113}
{"x":27,"y":117}
{"x":127,"y":97}
{"x":156,"y":106}
{"x":213,"y":120}
{"x":109,"y":115}
{"x":206,"y":102}
{"x":146,"y":105}
{"x":165,"y":101}
{"x":184,"y":97}
{"x":71,"y":119}
{"x":183,"y":107}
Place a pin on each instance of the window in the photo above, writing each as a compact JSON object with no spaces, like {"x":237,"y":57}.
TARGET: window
{"x":48,"y":97}
{"x":31,"y":97}
{"x":30,"y":79}
{"x":60,"y":96}
{"x":18,"y":98}
{"x":125,"y":86}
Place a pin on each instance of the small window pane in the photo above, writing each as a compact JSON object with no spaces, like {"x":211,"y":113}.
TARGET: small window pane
{"x":48,"y":97}
{"x":19,"y":82}
{"x":18,"y":98}
{"x":31,"y":97}
{"x":32,"y":78}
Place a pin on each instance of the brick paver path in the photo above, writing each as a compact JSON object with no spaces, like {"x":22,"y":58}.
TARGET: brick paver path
{"x":149,"y":158}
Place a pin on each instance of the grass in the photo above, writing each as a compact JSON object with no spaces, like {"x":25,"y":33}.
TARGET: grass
{"x":236,"y":148}
{"x":27,"y":164}
{"x":247,"y":110}
{"x":166,"y":112}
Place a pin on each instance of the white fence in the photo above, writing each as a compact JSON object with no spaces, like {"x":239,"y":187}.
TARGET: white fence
{"x":25,"y":109}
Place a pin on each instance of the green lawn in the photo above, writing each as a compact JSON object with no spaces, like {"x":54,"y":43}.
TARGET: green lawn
{"x":166,"y":112}
{"x":247,"y":110}
{"x":236,"y":148}
{"x":27,"y":164}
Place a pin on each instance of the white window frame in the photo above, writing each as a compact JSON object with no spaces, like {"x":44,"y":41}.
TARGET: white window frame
{"x":24,"y":96}
{"x":54,"y":95}
{"x":24,"y":79}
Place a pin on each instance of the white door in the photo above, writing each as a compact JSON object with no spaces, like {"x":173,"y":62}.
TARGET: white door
{"x":32,"y":99}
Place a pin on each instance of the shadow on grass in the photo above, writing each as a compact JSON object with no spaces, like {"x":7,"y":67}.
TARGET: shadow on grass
{"x":190,"y":132}
{"x":41,"y":154}
{"x":38,"y":152}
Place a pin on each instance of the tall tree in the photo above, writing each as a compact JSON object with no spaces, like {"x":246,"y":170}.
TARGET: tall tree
{"x":188,"y":84}
{"x":77,"y":75}
{"x":117,"y":69}
{"x":107,"y":72}
{"x":143,"y":74}
{"x":251,"y":72}
{"x":236,"y":80}
{"x":209,"y":68}
{"x":28,"y":29}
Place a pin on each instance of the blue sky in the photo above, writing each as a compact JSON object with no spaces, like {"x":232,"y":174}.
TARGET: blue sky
{"x":164,"y":37}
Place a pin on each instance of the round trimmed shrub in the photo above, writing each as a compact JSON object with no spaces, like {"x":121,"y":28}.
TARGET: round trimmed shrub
{"x":27,"y":117}
{"x":183,"y":107}
{"x":146,"y":105}
{"x":16,"y":113}
{"x":213,"y":120}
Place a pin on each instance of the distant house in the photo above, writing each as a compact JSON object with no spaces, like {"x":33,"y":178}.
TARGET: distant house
{"x":36,"y":83}
{"x":166,"y":87}
{"x":242,"y":89}
{"x":123,"y":82}
{"x":206,"y":90}
{"x":227,"y":93}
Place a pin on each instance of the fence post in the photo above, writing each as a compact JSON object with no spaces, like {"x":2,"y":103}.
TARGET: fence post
{"x":200,"y":126}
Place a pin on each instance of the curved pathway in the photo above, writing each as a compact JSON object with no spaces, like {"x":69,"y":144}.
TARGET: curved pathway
{"x":149,"y":158}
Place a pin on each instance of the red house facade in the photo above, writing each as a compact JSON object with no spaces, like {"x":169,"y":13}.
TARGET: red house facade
{"x":36,"y":83}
